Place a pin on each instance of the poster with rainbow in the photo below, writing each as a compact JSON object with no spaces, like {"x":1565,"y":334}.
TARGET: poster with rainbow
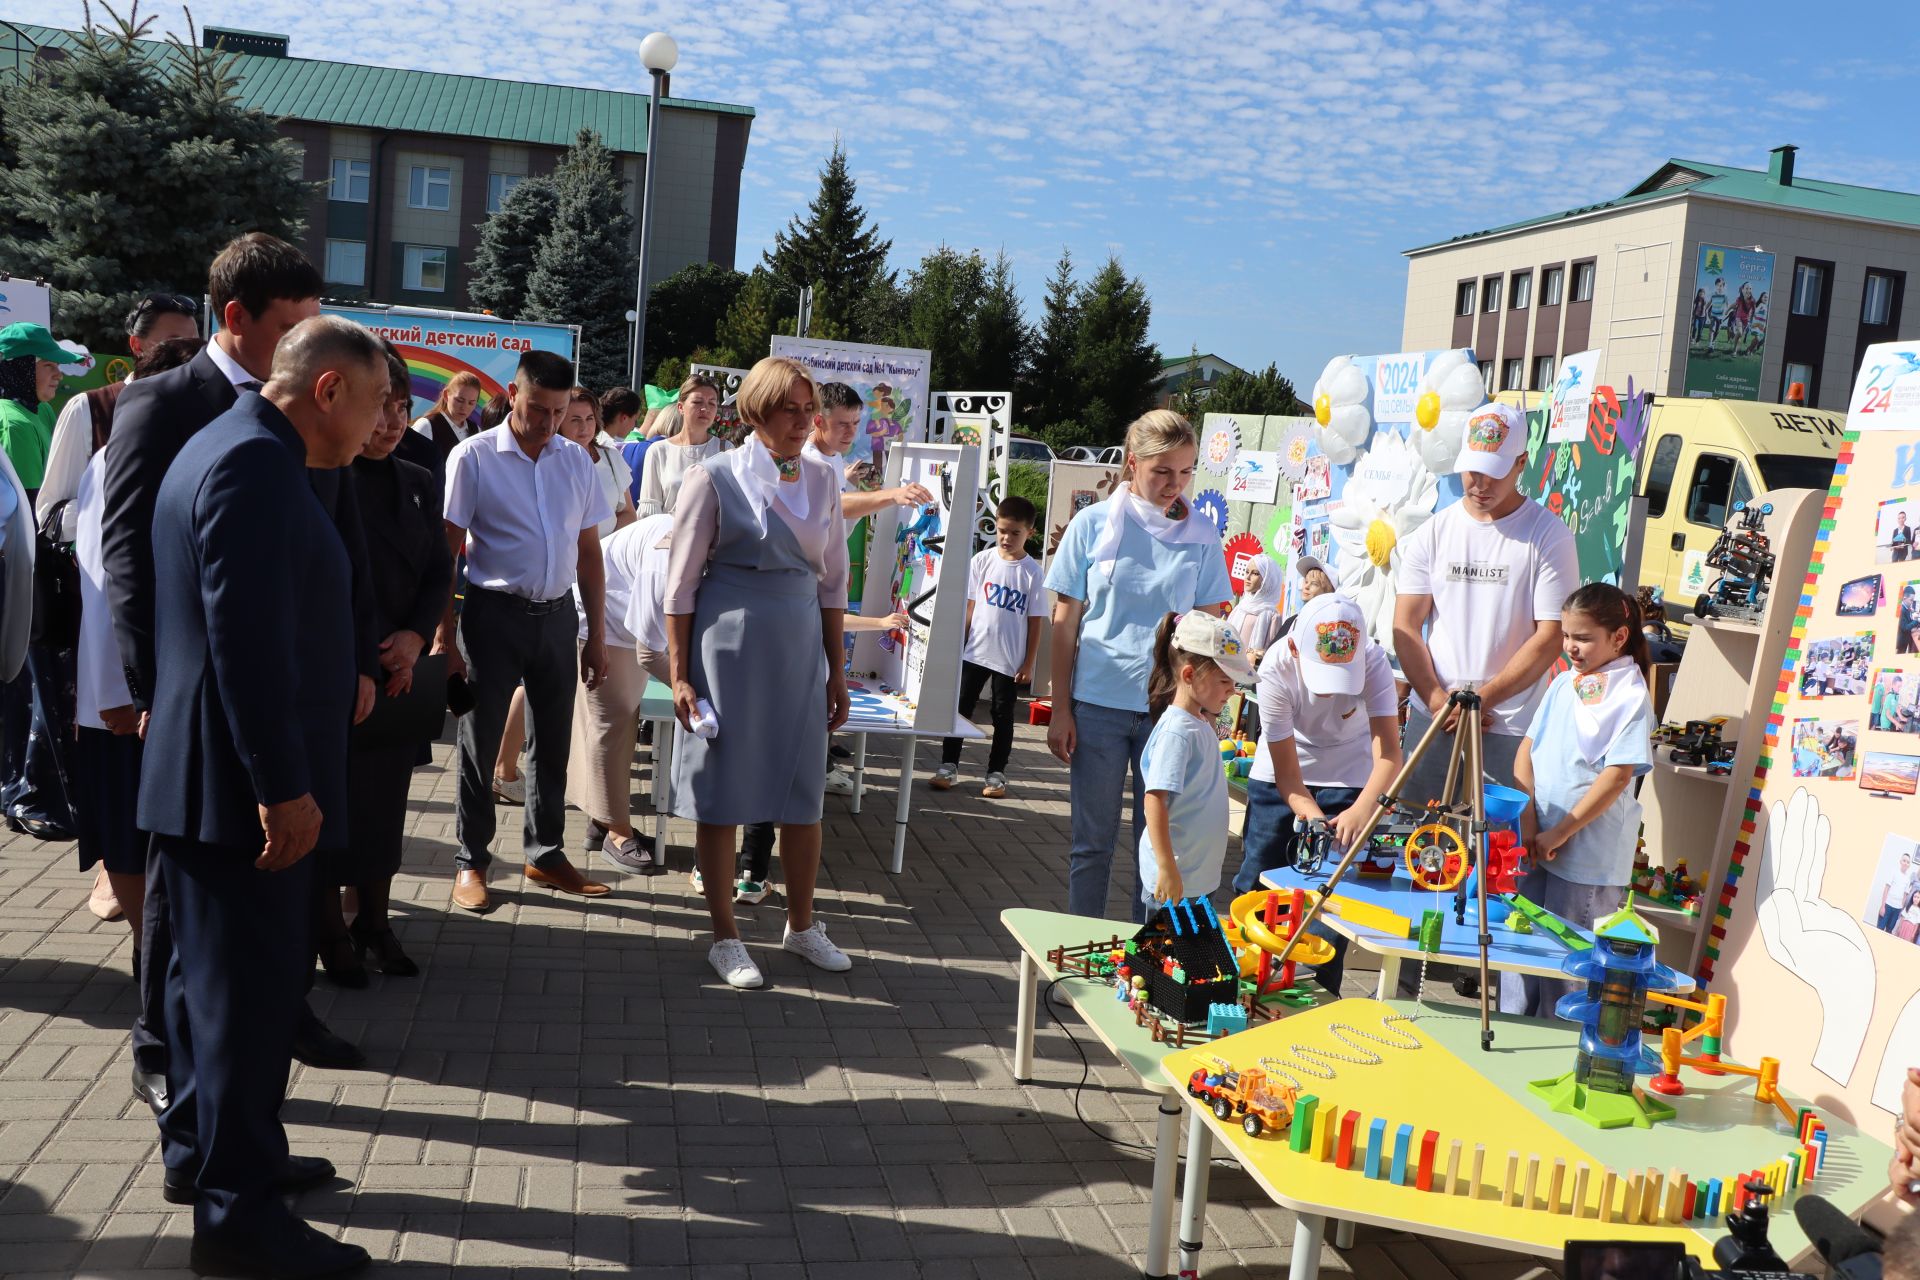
{"x":438,"y":344}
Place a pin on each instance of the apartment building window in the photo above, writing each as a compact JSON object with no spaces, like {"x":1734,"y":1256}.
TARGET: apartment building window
{"x":499,"y":187}
{"x":1490,"y":294}
{"x":1463,"y":298}
{"x":1486,"y":375}
{"x":430,"y":188}
{"x":1511,"y":372}
{"x":1553,"y":281}
{"x":1809,"y":282}
{"x":1583,"y":282}
{"x":1804,"y":374}
{"x":1522,"y":291}
{"x":1542,"y":371}
{"x":1876,"y":302}
{"x":346,"y":262}
{"x":351,"y":180}
{"x":426,"y":269}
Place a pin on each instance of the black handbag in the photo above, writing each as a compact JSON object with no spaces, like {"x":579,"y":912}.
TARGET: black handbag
{"x":56,"y":588}
{"x":414,"y":716}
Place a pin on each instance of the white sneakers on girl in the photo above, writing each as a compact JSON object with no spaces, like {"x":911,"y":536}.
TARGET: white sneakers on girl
{"x":730,"y":960}
{"x":811,"y":945}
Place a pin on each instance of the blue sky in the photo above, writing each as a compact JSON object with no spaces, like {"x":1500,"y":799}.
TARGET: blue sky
{"x":1261,"y":166}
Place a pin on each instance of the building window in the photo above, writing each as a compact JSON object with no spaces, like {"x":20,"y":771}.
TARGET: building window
{"x":1876,"y":303}
{"x":1809,"y":282}
{"x":347,"y":262}
{"x":426,"y":269}
{"x":1490,"y":294}
{"x":499,"y":187}
{"x":1552,"y":281}
{"x":351,"y":180}
{"x":1522,"y":291}
{"x":1463,"y":298}
{"x":1542,"y":371}
{"x":1804,"y":374}
{"x":1583,"y":282}
{"x":430,"y":188}
{"x":1510,"y":374}
{"x":1486,"y":375}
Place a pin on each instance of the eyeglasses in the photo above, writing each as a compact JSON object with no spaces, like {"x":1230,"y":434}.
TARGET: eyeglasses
{"x":160,"y":304}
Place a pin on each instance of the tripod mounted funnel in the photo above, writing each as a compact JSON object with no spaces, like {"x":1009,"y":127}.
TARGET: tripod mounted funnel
{"x":1504,"y":805}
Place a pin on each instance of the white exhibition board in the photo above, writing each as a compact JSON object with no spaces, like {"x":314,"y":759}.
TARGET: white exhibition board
{"x":981,"y":420}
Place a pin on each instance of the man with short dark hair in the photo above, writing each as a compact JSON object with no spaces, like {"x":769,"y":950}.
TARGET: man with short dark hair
{"x":253,"y":694}
{"x":524,"y":505}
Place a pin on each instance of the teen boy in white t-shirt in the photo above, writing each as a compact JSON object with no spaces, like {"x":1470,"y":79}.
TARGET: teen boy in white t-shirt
{"x":1003,"y":635}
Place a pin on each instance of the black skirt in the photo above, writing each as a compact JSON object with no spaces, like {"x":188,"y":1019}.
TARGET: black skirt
{"x":378,"y":781}
{"x":106,"y":783}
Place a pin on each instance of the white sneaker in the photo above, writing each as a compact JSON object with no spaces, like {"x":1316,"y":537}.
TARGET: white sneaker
{"x":944,"y":777}
{"x":811,"y":944}
{"x":996,"y":786}
{"x":751,"y":892}
{"x":699,"y":884}
{"x":730,"y":960}
{"x":505,"y":792}
{"x":840,"y":782}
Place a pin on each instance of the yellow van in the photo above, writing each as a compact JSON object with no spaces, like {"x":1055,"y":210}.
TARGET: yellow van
{"x":1703,"y":455}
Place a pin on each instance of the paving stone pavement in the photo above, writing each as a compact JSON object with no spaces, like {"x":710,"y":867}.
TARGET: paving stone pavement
{"x":568,"y":1088}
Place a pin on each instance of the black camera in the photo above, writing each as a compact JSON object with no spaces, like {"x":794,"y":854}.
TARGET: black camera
{"x":1742,"y":1255}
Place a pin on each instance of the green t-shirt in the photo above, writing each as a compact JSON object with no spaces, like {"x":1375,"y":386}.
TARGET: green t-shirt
{"x":26,"y":435}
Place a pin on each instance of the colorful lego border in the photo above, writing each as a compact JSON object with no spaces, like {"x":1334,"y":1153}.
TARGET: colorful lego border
{"x":1750,"y":823}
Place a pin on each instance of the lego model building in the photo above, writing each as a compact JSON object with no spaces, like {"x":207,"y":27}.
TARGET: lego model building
{"x":1619,"y":970}
{"x":1186,"y":961}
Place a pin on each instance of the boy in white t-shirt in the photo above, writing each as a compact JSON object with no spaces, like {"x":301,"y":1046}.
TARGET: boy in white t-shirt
{"x":1003,"y":636}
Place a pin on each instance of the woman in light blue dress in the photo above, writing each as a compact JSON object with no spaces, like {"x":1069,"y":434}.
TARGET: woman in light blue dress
{"x":756,"y":596}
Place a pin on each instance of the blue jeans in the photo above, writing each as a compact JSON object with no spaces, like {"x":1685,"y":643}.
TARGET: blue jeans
{"x":1269,"y":843}
{"x":1109,"y":742}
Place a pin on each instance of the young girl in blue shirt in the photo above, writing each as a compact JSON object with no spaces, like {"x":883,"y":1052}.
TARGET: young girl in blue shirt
{"x":1588,"y":741}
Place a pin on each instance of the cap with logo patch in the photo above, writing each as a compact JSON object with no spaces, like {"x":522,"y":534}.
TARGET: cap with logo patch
{"x":1205,"y":636}
{"x":1330,"y":636}
{"x":1496,"y":436}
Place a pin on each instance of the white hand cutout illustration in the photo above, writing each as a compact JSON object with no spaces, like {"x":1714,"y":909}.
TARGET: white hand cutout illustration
{"x":1811,"y":938}
{"x":1902,"y":1052}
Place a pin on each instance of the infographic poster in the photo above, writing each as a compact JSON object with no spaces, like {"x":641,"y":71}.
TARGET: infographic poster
{"x":1727,"y":322}
{"x":892,"y":383}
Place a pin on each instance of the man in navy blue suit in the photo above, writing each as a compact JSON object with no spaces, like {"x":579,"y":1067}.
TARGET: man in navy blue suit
{"x":246,"y":773}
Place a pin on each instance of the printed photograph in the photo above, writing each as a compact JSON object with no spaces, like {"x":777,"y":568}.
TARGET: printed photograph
{"x":1836,"y":667}
{"x":1893,"y":530}
{"x":1893,"y":902}
{"x":1895,"y":704}
{"x":1825,"y":748}
{"x":1906,"y":620}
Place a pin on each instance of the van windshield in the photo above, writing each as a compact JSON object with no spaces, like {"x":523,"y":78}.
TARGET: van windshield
{"x":1795,"y":471}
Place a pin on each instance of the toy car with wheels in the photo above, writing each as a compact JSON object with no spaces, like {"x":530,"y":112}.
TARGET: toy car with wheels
{"x":1250,"y":1094}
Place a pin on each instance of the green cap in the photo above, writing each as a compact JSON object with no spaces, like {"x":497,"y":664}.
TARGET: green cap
{"x":17,"y":340}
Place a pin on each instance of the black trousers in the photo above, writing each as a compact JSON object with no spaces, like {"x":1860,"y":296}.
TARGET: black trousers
{"x":973,"y":679}
{"x":236,"y":961}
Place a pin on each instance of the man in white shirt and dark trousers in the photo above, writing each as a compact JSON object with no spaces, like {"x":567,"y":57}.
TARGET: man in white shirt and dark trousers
{"x":1004,"y":603}
{"x":523,"y":504}
{"x":1480,"y":590}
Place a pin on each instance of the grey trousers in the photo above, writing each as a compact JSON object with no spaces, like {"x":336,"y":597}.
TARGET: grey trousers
{"x":506,"y":645}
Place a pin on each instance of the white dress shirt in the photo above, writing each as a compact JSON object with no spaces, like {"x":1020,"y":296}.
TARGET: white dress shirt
{"x":523,"y":516}
{"x":67,"y":461}
{"x":100,"y":678}
{"x":665,"y":470}
{"x":424,"y":425}
{"x":239,"y":377}
{"x":623,"y":553}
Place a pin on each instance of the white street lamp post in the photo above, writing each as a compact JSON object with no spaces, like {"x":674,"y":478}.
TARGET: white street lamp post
{"x":658,"y":53}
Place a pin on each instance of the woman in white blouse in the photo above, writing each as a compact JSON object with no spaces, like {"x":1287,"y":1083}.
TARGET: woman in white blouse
{"x":582,"y":426}
{"x":667,"y":461}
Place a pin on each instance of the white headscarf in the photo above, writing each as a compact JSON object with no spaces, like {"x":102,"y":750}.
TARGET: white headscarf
{"x":762,"y":484}
{"x":1126,"y":505}
{"x":1256,"y":612}
{"x":1603,"y":702}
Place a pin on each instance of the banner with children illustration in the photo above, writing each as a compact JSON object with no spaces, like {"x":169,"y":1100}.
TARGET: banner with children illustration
{"x":437,"y":345}
{"x":892,"y":383}
{"x":1727,"y":329}
{"x":1821,"y":912}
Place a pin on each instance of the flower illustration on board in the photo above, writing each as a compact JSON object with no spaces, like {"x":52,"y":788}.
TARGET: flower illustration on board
{"x":1296,"y":441}
{"x":1340,"y":410}
{"x":1374,"y":522}
{"x":1449,"y":391}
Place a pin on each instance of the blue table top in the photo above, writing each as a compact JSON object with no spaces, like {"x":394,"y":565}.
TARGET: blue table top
{"x":1537,"y":952}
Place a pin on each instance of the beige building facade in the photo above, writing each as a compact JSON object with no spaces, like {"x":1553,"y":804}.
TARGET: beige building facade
{"x":1620,"y":276}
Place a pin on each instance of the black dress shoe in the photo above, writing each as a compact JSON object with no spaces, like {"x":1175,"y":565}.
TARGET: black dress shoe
{"x":316,"y":1046}
{"x":299,"y":1254}
{"x":150,"y":1088}
{"x":302,"y":1173}
{"x":42,"y":829}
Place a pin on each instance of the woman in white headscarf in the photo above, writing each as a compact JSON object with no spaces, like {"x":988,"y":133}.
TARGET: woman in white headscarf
{"x":1256,"y":615}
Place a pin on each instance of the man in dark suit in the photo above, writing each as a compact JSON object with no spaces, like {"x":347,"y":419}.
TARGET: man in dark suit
{"x":260,"y":287}
{"x":246,"y":773}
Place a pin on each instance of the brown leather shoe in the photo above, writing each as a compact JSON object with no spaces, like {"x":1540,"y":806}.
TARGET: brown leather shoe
{"x":563,"y":876}
{"x":470,"y":891}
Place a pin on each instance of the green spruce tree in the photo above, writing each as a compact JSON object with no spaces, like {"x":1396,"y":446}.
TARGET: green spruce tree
{"x":834,"y":250}
{"x":1051,"y":393}
{"x":583,"y":272}
{"x":123,"y":173}
{"x":943,"y":297}
{"x":1002,"y":341}
{"x":1114,"y":362}
{"x":764,"y":306}
{"x":509,"y":239}
{"x":1268,"y":391}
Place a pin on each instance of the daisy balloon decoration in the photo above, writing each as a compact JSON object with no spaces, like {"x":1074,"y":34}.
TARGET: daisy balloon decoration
{"x":1340,"y":409}
{"x":1372,"y":525}
{"x":1449,"y":391}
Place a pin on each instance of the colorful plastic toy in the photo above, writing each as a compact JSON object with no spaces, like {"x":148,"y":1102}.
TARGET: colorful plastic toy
{"x":1263,"y":1105}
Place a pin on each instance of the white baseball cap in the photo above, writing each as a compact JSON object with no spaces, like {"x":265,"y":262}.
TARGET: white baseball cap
{"x":1205,"y":636}
{"x":1496,"y":435}
{"x":1330,"y":637}
{"x":1302,"y":565}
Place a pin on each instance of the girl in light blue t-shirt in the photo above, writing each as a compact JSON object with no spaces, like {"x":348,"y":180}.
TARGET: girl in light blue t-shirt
{"x":1590,"y":738}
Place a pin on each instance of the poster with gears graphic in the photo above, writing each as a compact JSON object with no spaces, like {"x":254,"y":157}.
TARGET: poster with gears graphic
{"x":1818,"y":939}
{"x":912,"y":675}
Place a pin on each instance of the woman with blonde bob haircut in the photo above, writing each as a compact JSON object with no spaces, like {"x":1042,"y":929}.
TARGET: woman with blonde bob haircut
{"x":1122,"y":566}
{"x":755,"y":601}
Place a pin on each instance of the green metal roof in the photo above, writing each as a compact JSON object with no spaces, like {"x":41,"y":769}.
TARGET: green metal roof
{"x":1679,"y":178}
{"x":1180,"y":362}
{"x":362,"y":97}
